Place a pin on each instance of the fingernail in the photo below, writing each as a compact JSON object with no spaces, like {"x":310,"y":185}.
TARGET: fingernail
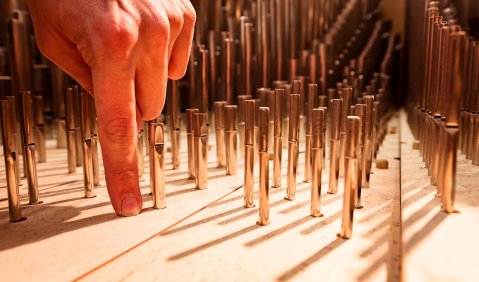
{"x":130,"y":206}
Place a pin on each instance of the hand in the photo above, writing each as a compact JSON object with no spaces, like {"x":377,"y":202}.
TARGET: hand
{"x":122,"y":52}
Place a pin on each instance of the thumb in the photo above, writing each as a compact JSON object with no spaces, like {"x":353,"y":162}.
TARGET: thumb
{"x":114,"y":91}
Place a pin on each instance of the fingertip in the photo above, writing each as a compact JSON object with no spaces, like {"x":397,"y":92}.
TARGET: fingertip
{"x":130,"y":206}
{"x":176,"y":70}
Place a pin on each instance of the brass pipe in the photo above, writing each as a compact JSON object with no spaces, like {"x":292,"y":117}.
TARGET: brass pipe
{"x":201,"y":150}
{"x":310,"y":104}
{"x":475,"y":159}
{"x":346,"y":95}
{"x":214,"y":69}
{"x":174,"y":123}
{"x":220,"y":132}
{"x":436,"y":125}
{"x":158,"y":169}
{"x":70,"y":130}
{"x":451,"y":131}
{"x":16,"y":135}
{"x":323,"y":103}
{"x":286,"y":109}
{"x":243,"y":61}
{"x":28,"y":143}
{"x":58,"y":78}
{"x":457,"y":41}
{"x":469,"y":134}
{"x":8,"y":138}
{"x":94,"y":145}
{"x":279,"y":32}
{"x":248,"y":59}
{"x":231,"y":140}
{"x":271,"y":99}
{"x":77,"y":118}
{"x":39,"y":122}
{"x":350,"y":179}
{"x":449,"y":172}
{"x":317,"y":149}
{"x":257,"y":105}
{"x":86,"y":141}
{"x":293,"y":146}
{"x":190,"y":139}
{"x":367,"y":149}
{"x":203,"y":73}
{"x":241,"y":121}
{"x":249,"y":115}
{"x":19,"y":49}
{"x":334,"y":124}
{"x":360,"y":111}
{"x":263,"y":167}
{"x":377,"y":129}
{"x":263,"y":44}
{"x":151,"y":151}
{"x":313,"y":68}
{"x":194,"y":75}
{"x":228,"y":70}
{"x":278,"y":146}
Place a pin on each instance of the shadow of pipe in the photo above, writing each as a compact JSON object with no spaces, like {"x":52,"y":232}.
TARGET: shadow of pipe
{"x":322,"y":223}
{"x":63,"y":201}
{"x":279,"y":231}
{"x":46,"y":195}
{"x":378,"y":242}
{"x":415,"y":196}
{"x":24,"y":197}
{"x":435,"y":221}
{"x":325,"y":200}
{"x":181,"y":192}
{"x":213,"y":177}
{"x":373,"y":268}
{"x":55,"y":222}
{"x":251,"y":212}
{"x":213,"y":243}
{"x":291,"y":273}
{"x":432,"y":203}
{"x":382,"y":225}
{"x":180,"y":182}
{"x":203,"y":221}
{"x":377,"y":211}
{"x":271,"y":191}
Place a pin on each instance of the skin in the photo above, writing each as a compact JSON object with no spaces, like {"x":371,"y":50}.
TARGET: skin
{"x":122,"y":52}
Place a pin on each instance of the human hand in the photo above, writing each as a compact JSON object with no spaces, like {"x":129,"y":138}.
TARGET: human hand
{"x":122,"y":52}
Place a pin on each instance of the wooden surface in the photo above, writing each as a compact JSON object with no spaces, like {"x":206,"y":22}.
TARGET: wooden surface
{"x":208,"y":236}
{"x":438,"y":246}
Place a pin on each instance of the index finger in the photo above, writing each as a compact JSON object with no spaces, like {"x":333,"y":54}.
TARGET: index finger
{"x":117,"y":129}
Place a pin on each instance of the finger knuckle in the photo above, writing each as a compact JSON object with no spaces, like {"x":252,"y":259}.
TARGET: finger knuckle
{"x":176,"y":19}
{"x":159,"y":26}
{"x":121,"y":36}
{"x":189,"y":14}
{"x":119,"y":130}
{"x":116,"y":35}
{"x":122,"y":173}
